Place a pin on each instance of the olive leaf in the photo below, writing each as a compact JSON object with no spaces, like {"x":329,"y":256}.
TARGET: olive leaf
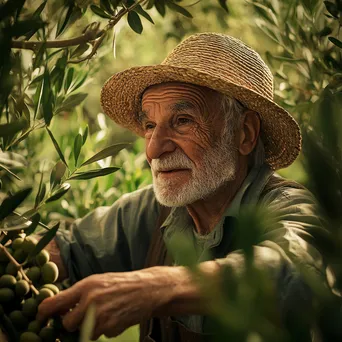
{"x":34,"y":223}
{"x":94,"y":173}
{"x":80,"y":50}
{"x":64,"y":19}
{"x":173,"y":6}
{"x":57,"y":174}
{"x":12,"y":128}
{"x":109,"y":151}
{"x":143,"y":13}
{"x":68,"y":79}
{"x":134,"y":22}
{"x":331,"y":8}
{"x":9,"y":171}
{"x":336,"y":42}
{"x":59,"y":193}
{"x":43,"y":242}
{"x":26,"y":27}
{"x":47,"y":98}
{"x":55,"y":143}
{"x":71,"y":102}
{"x":160,"y":6}
{"x":78,"y":142}
{"x":10,"y":203}
{"x":39,"y":9}
{"x":100,"y":12}
{"x":106,"y":5}
{"x":223,"y":4}
{"x":85,"y":135}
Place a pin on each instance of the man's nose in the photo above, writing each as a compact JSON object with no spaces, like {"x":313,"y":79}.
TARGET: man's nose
{"x":160,"y":142}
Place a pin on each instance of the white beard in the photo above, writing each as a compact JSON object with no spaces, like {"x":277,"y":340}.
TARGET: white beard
{"x":218,"y":167}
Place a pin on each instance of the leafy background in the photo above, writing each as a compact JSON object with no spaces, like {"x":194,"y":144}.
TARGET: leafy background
{"x":51,"y":122}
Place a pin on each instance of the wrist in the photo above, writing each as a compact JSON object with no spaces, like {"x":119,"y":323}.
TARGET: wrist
{"x":180,"y":290}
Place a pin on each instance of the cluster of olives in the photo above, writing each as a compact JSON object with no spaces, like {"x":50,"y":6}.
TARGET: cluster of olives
{"x":18,"y":302}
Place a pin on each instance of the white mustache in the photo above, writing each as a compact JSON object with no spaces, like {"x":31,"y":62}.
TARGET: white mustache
{"x":176,"y":160}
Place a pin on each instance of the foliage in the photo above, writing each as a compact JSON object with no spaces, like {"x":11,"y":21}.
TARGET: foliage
{"x":41,"y":81}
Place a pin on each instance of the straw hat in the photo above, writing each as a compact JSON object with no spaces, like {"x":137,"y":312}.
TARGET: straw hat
{"x":219,"y":62}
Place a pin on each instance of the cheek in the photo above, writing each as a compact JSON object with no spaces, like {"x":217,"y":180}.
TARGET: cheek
{"x":203,"y":135}
{"x":193,"y":149}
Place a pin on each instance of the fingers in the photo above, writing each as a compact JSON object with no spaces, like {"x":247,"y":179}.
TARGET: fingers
{"x":60,"y":303}
{"x":73,"y":319}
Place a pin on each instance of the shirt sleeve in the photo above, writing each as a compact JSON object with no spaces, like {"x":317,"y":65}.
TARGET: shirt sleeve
{"x":110,"y":239}
{"x":288,"y":247}
{"x":290,"y":237}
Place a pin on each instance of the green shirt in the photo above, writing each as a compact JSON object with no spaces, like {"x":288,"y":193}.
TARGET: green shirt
{"x":116,"y":238}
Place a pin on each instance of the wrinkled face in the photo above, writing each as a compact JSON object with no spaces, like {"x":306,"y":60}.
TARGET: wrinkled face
{"x":189,"y":154}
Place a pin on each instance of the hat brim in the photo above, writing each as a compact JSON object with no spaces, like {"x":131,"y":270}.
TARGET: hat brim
{"x":121,"y":101}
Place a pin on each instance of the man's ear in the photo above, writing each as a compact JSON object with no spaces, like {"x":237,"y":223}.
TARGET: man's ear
{"x":249,"y":132}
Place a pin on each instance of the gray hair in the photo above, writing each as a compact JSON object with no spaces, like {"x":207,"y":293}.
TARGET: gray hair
{"x":233,"y":110}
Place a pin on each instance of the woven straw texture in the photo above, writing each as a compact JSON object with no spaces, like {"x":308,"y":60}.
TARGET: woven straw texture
{"x":219,"y":62}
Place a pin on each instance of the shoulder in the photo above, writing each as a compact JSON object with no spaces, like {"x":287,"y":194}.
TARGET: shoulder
{"x":140,"y":197}
{"x":138,"y":210}
{"x":286,"y":193}
{"x":140,"y":204}
{"x":129,"y":209}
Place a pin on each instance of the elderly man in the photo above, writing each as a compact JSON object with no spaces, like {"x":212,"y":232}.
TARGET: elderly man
{"x":213,"y":137}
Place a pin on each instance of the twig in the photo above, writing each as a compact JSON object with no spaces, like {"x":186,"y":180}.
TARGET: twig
{"x":86,"y":37}
{"x":20,"y":269}
{"x":25,"y":218}
{"x":109,"y":26}
{"x":93,"y":51}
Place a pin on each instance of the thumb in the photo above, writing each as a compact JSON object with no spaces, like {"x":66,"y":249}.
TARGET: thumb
{"x":59,"y":304}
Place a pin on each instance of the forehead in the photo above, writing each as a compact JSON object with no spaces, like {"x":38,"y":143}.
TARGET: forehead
{"x":171,"y":92}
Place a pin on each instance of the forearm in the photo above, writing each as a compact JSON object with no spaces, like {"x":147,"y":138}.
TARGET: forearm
{"x":185,"y":295}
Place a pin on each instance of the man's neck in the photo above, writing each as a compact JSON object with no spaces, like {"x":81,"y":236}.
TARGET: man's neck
{"x":207,"y":213}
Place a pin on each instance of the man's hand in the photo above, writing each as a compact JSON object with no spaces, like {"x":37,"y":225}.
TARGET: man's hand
{"x":124,"y":299}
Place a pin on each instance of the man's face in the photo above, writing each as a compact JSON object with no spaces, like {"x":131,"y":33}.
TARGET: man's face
{"x":190,"y":157}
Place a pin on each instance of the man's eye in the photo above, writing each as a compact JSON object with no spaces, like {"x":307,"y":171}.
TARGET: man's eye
{"x":148,"y":126}
{"x":183,"y":121}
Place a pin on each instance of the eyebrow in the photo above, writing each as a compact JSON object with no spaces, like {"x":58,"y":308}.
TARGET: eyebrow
{"x":142,"y":115}
{"x":181,"y":105}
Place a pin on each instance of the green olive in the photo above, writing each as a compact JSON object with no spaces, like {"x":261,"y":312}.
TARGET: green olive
{"x":12,"y":269}
{"x":8,"y":280}
{"x":43,"y":294}
{"x":22,"y":288}
{"x":52,"y":287}
{"x":6,"y":295}
{"x":17,"y":243}
{"x":49,"y":272}
{"x":34,"y":326}
{"x":19,"y":321}
{"x":20,"y":255}
{"x":3,"y":268}
{"x":43,"y":257}
{"x":48,"y":334}
{"x":34,"y":274}
{"x":29,"y":244}
{"x":29,"y":336}
{"x":30,"y":307}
